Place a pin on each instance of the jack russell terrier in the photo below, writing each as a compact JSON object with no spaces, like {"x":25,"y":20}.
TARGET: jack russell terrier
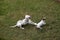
{"x":24,"y":22}
{"x":41,"y":23}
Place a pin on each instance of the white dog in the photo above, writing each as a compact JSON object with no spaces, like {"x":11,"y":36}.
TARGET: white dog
{"x":24,"y":22}
{"x":41,"y":23}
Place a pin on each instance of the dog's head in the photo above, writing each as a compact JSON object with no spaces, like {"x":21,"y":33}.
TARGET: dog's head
{"x":27,"y":16}
{"x":44,"y":18}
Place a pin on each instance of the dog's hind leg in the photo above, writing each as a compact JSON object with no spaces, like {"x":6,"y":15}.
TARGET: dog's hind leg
{"x":21,"y":27}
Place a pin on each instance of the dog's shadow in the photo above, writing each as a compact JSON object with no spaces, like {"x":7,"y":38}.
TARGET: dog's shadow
{"x":41,"y":30}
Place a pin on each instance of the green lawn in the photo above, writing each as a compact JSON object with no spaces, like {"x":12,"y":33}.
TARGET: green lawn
{"x":13,"y":10}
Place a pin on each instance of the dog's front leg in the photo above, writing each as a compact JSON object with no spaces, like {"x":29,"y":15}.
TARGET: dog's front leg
{"x":31,"y":22}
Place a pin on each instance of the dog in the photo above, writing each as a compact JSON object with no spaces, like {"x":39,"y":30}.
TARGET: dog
{"x":41,"y":23}
{"x":25,"y":21}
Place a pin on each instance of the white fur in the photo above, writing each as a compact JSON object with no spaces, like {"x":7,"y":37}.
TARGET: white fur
{"x":24,"y":22}
{"x":41,"y":23}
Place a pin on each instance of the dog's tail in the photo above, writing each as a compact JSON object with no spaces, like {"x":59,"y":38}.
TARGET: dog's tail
{"x":13,"y":26}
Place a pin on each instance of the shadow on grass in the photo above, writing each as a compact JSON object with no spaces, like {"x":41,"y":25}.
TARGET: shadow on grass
{"x":41,"y":30}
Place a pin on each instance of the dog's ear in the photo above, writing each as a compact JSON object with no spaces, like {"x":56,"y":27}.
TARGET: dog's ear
{"x":44,"y":18}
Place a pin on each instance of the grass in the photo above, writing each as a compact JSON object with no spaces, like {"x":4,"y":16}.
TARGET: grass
{"x":13,"y":10}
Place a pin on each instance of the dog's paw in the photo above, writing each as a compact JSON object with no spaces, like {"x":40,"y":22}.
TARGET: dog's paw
{"x":35,"y":23}
{"x":22,"y":28}
{"x":39,"y":27}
